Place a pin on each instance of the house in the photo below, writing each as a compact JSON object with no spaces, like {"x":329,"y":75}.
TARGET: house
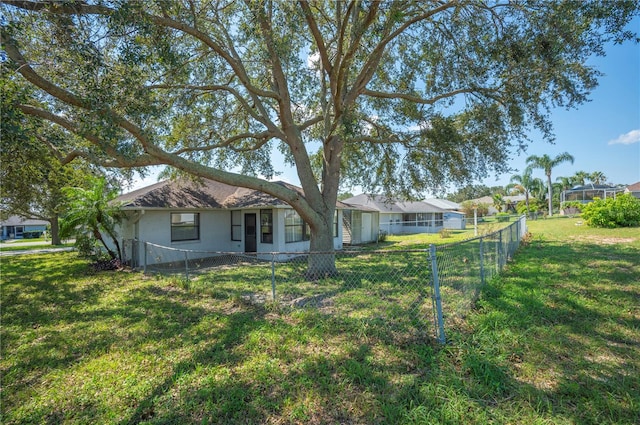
{"x":510,"y":202}
{"x":586,"y":193}
{"x":209,"y":216}
{"x":633,"y":189}
{"x":16,"y":227}
{"x":396,"y":217}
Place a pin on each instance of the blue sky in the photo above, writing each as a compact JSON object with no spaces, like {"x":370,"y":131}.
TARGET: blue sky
{"x":602,"y":134}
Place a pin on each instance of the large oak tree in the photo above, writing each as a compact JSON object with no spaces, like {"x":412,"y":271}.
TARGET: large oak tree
{"x":400,"y":96}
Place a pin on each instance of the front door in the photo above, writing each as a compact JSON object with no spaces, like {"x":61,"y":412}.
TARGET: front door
{"x":250,"y":233}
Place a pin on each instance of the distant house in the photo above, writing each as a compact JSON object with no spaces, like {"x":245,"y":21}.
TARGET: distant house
{"x":510,"y":203}
{"x":397,"y":217}
{"x":214,"y":216}
{"x":586,"y":193}
{"x":633,"y":189}
{"x":16,"y":227}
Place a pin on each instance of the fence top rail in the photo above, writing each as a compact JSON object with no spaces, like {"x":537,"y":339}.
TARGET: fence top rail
{"x":487,"y":236}
{"x":339,"y":252}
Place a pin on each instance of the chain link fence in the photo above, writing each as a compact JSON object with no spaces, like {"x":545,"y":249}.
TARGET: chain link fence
{"x":402,"y":293}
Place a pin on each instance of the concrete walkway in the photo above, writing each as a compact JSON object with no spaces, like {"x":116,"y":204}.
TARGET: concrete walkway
{"x":30,"y":251}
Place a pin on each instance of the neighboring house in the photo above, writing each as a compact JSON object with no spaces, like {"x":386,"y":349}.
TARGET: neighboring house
{"x":212,"y":216}
{"x":397,"y":217}
{"x":586,"y":193}
{"x":22,"y":228}
{"x":633,"y":189}
{"x":510,"y":203}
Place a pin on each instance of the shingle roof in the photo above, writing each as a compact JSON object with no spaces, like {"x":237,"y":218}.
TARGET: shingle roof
{"x":386,"y":205}
{"x":185,"y":193}
{"x":15,"y":220}
{"x":635,"y":187}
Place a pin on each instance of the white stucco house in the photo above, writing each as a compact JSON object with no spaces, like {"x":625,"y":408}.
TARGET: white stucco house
{"x":398,"y":217}
{"x":214,"y":217}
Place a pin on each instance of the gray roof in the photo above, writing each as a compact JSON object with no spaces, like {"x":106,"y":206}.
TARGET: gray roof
{"x":189,"y":194}
{"x":386,"y":205}
{"x":203,"y":194}
{"x":443,"y":203}
{"x":15,"y":220}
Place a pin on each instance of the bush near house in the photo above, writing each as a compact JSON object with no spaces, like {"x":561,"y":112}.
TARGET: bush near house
{"x":623,"y":211}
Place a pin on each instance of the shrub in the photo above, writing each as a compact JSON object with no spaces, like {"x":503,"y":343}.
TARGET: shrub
{"x":445,"y":233}
{"x":623,"y":211}
{"x":502,"y":217}
{"x":382,"y":236}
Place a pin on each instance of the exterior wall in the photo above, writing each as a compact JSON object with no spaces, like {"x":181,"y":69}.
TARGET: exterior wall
{"x":364,"y":226}
{"x":154,"y":226}
{"x":17,"y":232}
{"x":455,"y":221}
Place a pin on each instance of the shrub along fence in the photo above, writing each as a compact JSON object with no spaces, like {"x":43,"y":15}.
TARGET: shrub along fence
{"x":399,"y":293}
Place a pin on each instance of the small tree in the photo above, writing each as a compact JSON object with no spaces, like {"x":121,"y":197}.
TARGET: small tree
{"x":90,"y":212}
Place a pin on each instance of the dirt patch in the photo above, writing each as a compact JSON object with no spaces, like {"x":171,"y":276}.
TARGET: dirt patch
{"x":600,"y":240}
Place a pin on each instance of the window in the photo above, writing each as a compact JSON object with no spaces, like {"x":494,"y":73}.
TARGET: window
{"x":266,"y":226}
{"x":185,"y":227}
{"x":409,"y":219}
{"x":295,"y":229}
{"x":335,"y":224}
{"x":236,"y":225}
{"x":439,"y":220}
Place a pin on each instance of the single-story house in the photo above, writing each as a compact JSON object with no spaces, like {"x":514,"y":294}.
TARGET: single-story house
{"x":16,"y":227}
{"x":397,"y":217}
{"x":209,"y":216}
{"x":510,"y":202}
{"x":633,"y":189}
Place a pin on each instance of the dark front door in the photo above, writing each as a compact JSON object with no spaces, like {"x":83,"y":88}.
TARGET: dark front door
{"x":250,"y":233}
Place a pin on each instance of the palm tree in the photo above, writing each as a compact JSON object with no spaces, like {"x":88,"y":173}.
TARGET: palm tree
{"x":90,"y":211}
{"x":498,"y":202}
{"x":525,"y":184}
{"x":566,"y":182}
{"x":597,"y":177}
{"x":580,"y":177}
{"x":547,"y":163}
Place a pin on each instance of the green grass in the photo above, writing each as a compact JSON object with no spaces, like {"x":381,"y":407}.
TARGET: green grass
{"x":554,"y":340}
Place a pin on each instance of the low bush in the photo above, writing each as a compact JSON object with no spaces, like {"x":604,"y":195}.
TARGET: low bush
{"x":623,"y":211}
{"x":502,"y":217}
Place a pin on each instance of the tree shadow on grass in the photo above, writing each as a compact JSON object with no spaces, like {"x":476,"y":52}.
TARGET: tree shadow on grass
{"x":572,"y":311}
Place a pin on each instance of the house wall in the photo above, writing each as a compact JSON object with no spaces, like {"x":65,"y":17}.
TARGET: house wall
{"x":154,"y":226}
{"x":455,"y":221}
{"x":17,"y":232}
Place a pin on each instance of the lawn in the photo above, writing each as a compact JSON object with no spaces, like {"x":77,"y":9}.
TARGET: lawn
{"x":554,"y":340}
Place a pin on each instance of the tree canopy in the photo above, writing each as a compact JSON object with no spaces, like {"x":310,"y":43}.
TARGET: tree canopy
{"x":400,"y":96}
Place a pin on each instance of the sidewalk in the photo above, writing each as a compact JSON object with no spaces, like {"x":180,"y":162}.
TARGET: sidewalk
{"x":18,"y":242}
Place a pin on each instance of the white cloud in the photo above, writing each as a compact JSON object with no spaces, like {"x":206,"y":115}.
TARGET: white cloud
{"x":627,"y":139}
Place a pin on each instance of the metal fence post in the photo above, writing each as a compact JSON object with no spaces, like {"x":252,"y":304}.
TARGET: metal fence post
{"x":186,"y":264}
{"x":273,"y":276}
{"x":481,"y":261}
{"x":145,"y":258}
{"x":436,"y":290}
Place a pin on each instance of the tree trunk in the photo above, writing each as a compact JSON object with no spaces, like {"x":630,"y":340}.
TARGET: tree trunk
{"x":55,"y":230}
{"x":550,"y":195}
{"x":322,"y":258}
